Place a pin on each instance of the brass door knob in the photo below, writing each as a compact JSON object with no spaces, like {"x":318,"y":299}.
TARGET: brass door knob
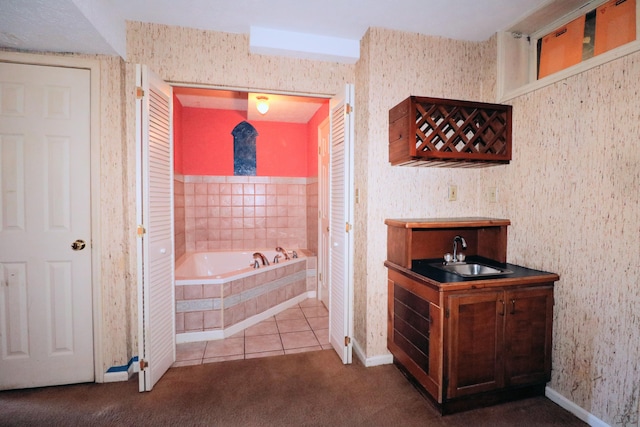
{"x":78,"y":245}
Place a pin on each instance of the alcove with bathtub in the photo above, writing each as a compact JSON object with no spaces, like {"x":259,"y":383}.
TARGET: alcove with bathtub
{"x":232,"y":200}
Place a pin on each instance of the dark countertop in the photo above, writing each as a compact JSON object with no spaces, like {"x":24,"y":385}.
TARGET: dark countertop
{"x":423,"y":272}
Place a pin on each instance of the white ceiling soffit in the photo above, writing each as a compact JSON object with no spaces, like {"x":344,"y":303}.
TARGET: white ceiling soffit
{"x":282,"y":108}
{"x":266,"y":41}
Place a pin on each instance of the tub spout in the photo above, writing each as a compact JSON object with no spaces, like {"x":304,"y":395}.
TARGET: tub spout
{"x":261,"y":257}
{"x":284,"y":252}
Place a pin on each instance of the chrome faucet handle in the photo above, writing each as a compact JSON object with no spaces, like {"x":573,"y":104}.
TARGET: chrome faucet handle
{"x":255,"y":264}
{"x":283,"y":251}
{"x":276,"y":259}
{"x":295,"y":254}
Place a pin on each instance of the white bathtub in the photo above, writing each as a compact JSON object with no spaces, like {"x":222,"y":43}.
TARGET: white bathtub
{"x":219,"y":294}
{"x":221,"y":267}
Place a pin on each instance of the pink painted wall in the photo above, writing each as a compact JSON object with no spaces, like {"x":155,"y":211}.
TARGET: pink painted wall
{"x":282,"y":149}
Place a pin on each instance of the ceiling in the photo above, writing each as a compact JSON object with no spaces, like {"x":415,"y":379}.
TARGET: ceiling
{"x":98,"y":27}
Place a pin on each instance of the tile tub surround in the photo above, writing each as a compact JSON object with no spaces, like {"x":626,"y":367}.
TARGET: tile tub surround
{"x":243,"y":213}
{"x":207,"y":311}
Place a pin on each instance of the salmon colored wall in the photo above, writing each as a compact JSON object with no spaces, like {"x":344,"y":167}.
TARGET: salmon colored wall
{"x":177,"y":135}
{"x":207,"y":144}
{"x":281,"y":149}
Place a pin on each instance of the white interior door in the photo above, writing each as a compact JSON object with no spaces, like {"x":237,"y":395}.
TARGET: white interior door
{"x":324,"y":200}
{"x":341,"y":221}
{"x":156,"y":332}
{"x":46,"y":316}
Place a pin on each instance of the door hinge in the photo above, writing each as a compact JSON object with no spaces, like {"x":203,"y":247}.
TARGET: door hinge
{"x":143,"y":364}
{"x":139,"y":92}
{"x":348,"y":108}
{"x":140,"y":231}
{"x":347,"y":227}
{"x":347,"y":341}
{"x":447,"y":313}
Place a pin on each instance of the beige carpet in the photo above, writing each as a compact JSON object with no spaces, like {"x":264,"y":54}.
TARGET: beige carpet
{"x":307,"y":389}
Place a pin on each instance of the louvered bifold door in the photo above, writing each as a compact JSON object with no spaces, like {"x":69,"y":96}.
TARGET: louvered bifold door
{"x":155,"y":231}
{"x":341,"y":220}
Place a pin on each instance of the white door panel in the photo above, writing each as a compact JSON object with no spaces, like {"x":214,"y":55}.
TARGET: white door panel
{"x":46,"y":329}
{"x":341,"y":220}
{"x":156,"y":334}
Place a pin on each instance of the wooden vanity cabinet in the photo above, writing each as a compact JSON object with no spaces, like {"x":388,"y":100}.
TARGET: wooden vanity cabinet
{"x":498,"y":338}
{"x":467,"y":343}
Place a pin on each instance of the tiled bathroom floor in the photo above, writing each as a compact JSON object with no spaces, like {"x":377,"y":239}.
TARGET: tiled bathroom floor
{"x":304,"y":327}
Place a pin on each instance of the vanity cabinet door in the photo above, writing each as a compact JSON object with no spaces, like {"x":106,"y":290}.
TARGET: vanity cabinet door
{"x":475,"y":342}
{"x":528,"y":333}
{"x":498,"y":339}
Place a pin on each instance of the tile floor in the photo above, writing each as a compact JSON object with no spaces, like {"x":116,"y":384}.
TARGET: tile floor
{"x":304,"y":327}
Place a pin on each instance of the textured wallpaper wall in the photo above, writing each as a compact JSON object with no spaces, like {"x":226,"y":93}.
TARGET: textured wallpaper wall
{"x":393,"y":66}
{"x":573,"y":195}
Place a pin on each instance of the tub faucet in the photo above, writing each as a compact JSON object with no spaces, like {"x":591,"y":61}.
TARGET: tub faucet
{"x":283,"y":251}
{"x":455,"y":246}
{"x":260,"y":255}
{"x":276,"y":259}
{"x":255,"y":264}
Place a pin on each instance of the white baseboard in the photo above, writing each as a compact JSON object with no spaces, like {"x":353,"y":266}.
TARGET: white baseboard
{"x":112,"y":377}
{"x":122,"y":373}
{"x":576,"y":410}
{"x":234,"y":329}
{"x":384,"y":359}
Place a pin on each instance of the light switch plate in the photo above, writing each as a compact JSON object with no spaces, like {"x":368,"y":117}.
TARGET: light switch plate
{"x":453,"y":193}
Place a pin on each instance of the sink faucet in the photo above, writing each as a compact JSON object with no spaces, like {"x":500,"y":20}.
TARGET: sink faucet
{"x":284,"y":252}
{"x":260,"y":255}
{"x":455,"y":246}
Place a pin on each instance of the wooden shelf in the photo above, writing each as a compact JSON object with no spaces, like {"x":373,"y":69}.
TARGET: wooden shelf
{"x":445,"y":132}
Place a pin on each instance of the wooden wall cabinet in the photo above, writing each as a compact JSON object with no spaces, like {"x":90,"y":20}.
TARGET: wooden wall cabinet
{"x":446,"y":132}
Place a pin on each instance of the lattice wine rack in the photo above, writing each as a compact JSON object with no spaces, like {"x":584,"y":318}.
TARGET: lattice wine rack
{"x":446,"y":132}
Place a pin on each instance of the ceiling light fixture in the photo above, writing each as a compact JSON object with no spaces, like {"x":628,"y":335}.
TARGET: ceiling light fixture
{"x":262,"y":104}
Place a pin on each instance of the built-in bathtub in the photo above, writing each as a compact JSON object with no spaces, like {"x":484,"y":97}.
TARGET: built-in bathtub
{"x":218,"y":294}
